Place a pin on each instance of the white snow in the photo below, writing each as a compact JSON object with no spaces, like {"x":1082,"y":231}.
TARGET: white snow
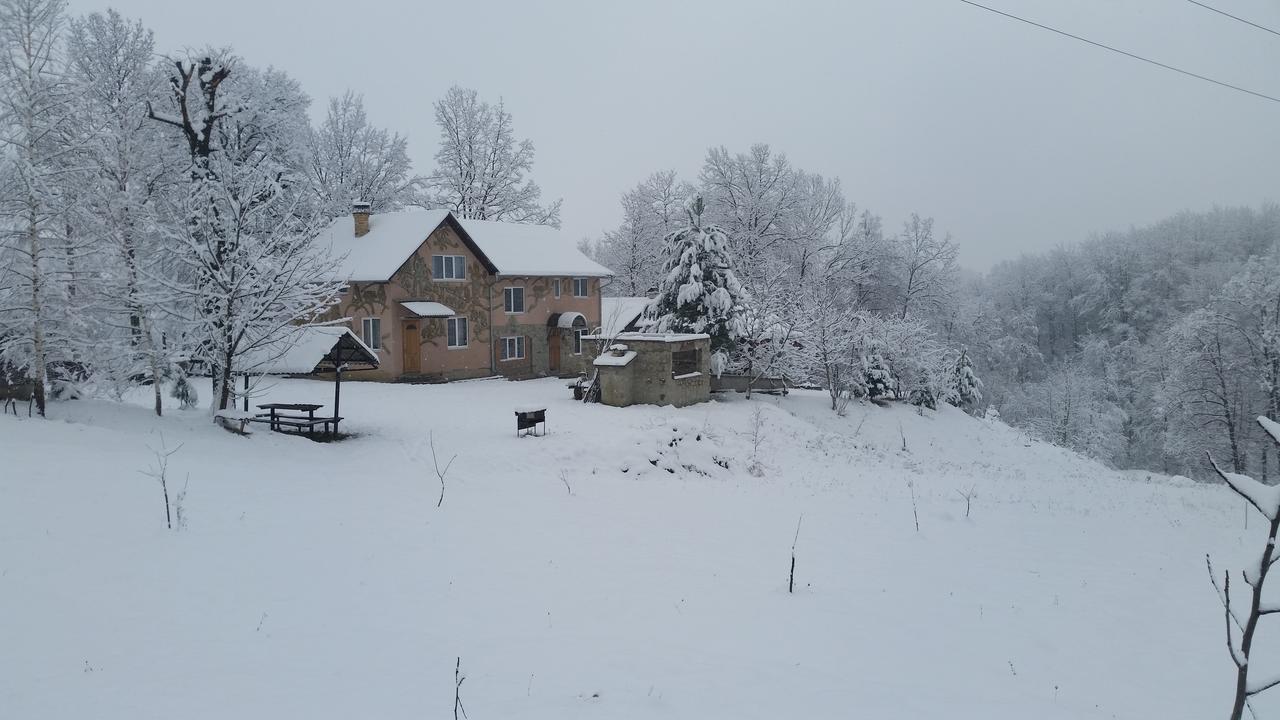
{"x":301,"y":351}
{"x":618,"y":312}
{"x":425,"y":309}
{"x":391,"y":239}
{"x":662,"y":337}
{"x":686,"y":376}
{"x":621,"y":360}
{"x":632,"y":564}
{"x":518,"y":249}
{"x":567,"y":319}
{"x":513,"y":248}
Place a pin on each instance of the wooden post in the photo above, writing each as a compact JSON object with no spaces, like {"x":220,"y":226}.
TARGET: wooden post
{"x":246,"y":392}
{"x":337,"y":395}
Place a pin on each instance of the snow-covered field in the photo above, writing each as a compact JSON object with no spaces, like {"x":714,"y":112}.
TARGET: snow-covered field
{"x":575,"y":578}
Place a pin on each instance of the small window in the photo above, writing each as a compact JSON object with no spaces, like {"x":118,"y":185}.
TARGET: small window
{"x":577,"y":341}
{"x":513,"y":348}
{"x":555,"y":287}
{"x":579,"y":287}
{"x":684,"y":362}
{"x":513,"y":300}
{"x":457,"y":331}
{"x":371,"y":332}
{"x":449,"y":267}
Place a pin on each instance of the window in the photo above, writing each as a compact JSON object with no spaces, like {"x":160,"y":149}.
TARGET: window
{"x":371,"y":332}
{"x":457,"y":331}
{"x":579,"y":287}
{"x":513,"y":299}
{"x":512,"y":348}
{"x":684,"y":362}
{"x":448,"y":267}
{"x":555,"y":287}
{"x":577,"y":341}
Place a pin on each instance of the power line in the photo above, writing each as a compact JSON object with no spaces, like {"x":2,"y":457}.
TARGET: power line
{"x":1157,"y":63}
{"x":1233,"y":17}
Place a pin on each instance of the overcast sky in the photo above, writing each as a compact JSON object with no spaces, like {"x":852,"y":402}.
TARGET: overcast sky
{"x":1014,"y":139}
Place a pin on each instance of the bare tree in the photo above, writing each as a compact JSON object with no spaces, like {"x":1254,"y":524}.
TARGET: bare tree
{"x":926,"y":266}
{"x":1266,"y":500}
{"x":348,"y":159}
{"x":481,"y":167}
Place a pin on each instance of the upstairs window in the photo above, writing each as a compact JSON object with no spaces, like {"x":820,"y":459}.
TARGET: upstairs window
{"x":513,"y":300}
{"x":371,"y":332}
{"x":579,"y":287}
{"x":457,"y":331}
{"x":449,"y":267}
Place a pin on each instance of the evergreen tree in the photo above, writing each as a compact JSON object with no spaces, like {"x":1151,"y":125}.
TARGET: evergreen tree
{"x":968,"y":388}
{"x":698,"y":291}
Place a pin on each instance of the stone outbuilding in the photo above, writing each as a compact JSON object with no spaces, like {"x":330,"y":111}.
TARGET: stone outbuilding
{"x":655,"y":369}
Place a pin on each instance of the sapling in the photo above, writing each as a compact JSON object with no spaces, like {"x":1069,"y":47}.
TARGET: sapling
{"x":1266,"y":500}
{"x":160,"y":471}
{"x":458,"y":678}
{"x":436,"y":464}
{"x":968,"y":496}
{"x":791,"y":582}
{"x":915,"y":514}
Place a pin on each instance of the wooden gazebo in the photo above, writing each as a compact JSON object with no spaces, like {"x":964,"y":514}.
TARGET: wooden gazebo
{"x":311,"y":350}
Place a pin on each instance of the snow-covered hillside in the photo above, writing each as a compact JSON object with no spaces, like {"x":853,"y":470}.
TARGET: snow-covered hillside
{"x":615,"y":568}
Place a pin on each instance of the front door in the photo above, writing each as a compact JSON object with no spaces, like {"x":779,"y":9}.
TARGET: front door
{"x":412,"y":352}
{"x":553,"y":351}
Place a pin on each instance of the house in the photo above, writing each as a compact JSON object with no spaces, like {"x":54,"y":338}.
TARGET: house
{"x":442,"y":298}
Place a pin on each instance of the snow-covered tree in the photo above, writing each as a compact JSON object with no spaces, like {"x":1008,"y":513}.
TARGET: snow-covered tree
{"x":698,"y":291}
{"x":651,"y":210}
{"x":36,"y":257}
{"x":828,"y":340}
{"x":249,"y":269}
{"x":481,"y":168}
{"x":110,"y":59}
{"x":968,"y":388}
{"x":925,"y":267}
{"x":348,"y":160}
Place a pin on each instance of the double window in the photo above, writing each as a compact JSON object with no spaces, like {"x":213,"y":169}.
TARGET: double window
{"x":371,"y":332}
{"x":512,"y":348}
{"x":457,"y":332}
{"x":449,"y":267}
{"x":513,"y":299}
{"x":579,"y":287}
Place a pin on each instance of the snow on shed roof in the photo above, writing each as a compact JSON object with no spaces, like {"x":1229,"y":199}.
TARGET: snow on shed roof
{"x":661,"y":337}
{"x":616,"y":313}
{"x":509,"y":248}
{"x":426,"y":309}
{"x":518,"y":249}
{"x":302,"y":351}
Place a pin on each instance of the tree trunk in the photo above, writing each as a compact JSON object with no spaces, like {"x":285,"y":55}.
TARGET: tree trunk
{"x":39,"y":372}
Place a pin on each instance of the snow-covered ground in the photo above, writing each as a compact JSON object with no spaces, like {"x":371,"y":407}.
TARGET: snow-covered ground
{"x":576,"y":578}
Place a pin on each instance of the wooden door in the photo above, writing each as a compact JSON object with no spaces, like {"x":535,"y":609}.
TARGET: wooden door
{"x":411,"y":339}
{"x":553,"y":351}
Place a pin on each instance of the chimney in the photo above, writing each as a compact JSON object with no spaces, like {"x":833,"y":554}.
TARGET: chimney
{"x":360,"y":213}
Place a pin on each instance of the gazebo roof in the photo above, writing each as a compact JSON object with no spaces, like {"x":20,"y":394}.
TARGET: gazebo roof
{"x":311,"y":349}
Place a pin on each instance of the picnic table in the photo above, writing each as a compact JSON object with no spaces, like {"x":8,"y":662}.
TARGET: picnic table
{"x":289,"y":415}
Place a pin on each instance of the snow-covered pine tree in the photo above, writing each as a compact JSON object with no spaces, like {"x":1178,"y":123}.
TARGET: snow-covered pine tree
{"x":967,"y":385}
{"x":877,"y":375}
{"x":698,"y":291}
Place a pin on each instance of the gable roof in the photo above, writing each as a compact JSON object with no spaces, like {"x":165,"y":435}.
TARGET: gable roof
{"x":616,"y":313}
{"x":311,"y":348}
{"x":503,"y":248}
{"x":519,"y":249}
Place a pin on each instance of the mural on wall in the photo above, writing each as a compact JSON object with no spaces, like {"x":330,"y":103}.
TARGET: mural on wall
{"x":469,"y":296}
{"x":367,"y":299}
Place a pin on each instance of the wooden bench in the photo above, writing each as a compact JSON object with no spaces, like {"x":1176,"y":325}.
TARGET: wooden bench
{"x":278,"y":420}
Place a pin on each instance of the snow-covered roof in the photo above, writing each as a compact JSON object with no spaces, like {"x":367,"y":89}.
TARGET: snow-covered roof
{"x":616,"y":313}
{"x":391,"y":239}
{"x":662,"y":337}
{"x":427,"y":309}
{"x":567,"y":319}
{"x":511,"y":248}
{"x":518,"y":249}
{"x":302,"y":351}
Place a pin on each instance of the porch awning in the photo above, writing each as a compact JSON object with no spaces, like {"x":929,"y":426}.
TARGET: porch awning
{"x":427,"y":309}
